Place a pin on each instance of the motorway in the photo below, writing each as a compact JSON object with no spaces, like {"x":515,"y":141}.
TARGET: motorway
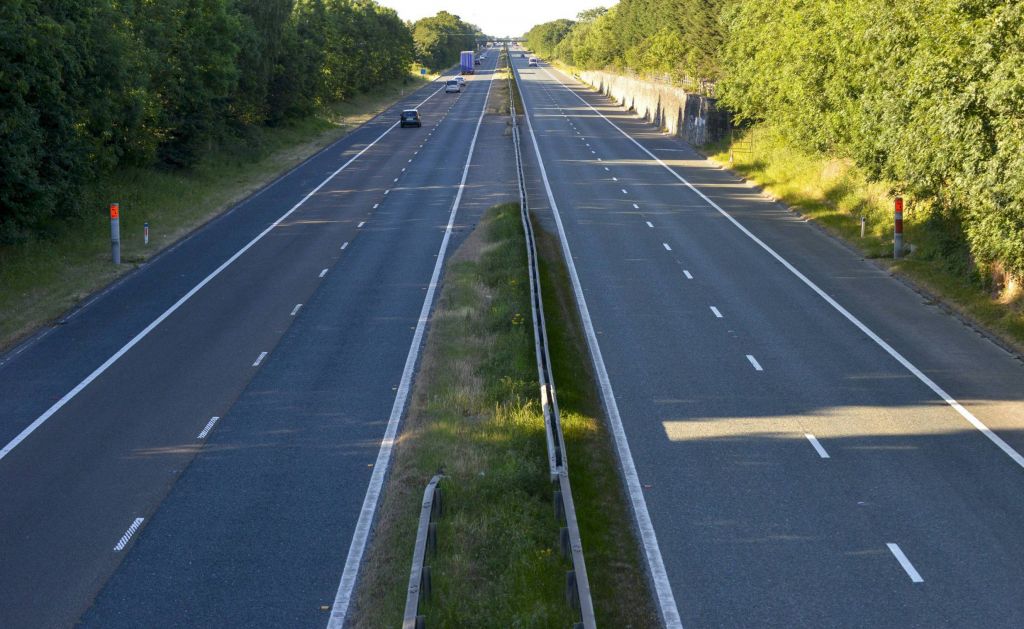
{"x":204,"y":442}
{"x":806,"y":441}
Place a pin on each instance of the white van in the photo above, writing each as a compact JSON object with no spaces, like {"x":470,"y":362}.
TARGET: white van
{"x":533,"y":61}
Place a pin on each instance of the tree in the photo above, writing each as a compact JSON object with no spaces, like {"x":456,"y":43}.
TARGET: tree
{"x":440,"y":38}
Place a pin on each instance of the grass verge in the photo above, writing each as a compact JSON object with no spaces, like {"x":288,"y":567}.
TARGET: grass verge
{"x":475,"y":415}
{"x":835,"y":194}
{"x":43,"y":278}
{"x":502,"y":85}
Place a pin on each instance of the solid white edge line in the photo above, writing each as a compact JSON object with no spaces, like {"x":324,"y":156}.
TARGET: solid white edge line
{"x":754,"y":363}
{"x":908,"y":567}
{"x":260,"y":359}
{"x":817,"y":446}
{"x":652,"y":553}
{"x":208,"y":428}
{"x":128,"y":534}
{"x":343,"y":597}
{"x":39,"y":421}
{"x":928,"y":382}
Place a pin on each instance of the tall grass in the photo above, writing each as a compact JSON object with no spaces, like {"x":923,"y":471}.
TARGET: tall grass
{"x":836,"y":194}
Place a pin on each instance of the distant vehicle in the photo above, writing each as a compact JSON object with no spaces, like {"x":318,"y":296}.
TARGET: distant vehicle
{"x":477,"y":62}
{"x":411,"y":118}
{"x":460,"y":79}
{"x":533,"y":61}
{"x":466,"y":61}
{"x":452,"y":86}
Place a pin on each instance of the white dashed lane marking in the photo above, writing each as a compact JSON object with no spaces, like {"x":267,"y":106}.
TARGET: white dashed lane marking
{"x":817,"y":445}
{"x":209,"y":426}
{"x":128,"y":534}
{"x":907,"y":566}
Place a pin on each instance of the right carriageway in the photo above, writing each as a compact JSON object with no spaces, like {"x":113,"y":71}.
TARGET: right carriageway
{"x":795,"y":468}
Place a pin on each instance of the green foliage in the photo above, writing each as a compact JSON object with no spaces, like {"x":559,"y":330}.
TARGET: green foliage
{"x":440,"y":38}
{"x":922,"y":95}
{"x":678,"y":38}
{"x":925,"y":95}
{"x":87,"y":86}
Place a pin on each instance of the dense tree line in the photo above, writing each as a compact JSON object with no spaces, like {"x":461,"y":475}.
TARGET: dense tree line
{"x":925,"y":95}
{"x":88,"y":85}
{"x":440,"y":38}
{"x":675,"y":37}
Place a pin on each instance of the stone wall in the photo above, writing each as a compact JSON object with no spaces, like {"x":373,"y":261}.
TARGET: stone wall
{"x":690,"y":116}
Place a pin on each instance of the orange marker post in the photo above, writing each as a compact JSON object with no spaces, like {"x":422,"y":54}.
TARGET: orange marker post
{"x":115,"y":232}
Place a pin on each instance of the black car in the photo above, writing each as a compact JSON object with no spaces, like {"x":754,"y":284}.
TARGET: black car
{"x":411,"y":118}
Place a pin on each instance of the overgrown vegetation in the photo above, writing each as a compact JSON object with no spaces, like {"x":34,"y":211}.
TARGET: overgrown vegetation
{"x":475,"y":414}
{"x":91,"y":86}
{"x":836,"y":193}
{"x":922,"y":98}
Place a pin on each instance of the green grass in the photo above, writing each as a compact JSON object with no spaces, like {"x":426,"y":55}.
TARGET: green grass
{"x":475,"y":414}
{"x":615,"y":567}
{"x":835,"y":194}
{"x":43,"y":278}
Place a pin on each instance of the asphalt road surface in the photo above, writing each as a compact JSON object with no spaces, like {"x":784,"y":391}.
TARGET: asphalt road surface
{"x":194,"y":447}
{"x":807,"y":442}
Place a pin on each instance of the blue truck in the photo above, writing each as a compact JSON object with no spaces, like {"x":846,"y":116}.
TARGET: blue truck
{"x":466,"y":61}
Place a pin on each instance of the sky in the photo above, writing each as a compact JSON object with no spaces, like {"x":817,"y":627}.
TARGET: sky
{"x":497,"y":18}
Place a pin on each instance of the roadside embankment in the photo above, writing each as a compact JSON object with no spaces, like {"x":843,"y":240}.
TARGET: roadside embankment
{"x":836,"y":195}
{"x":42,"y":278}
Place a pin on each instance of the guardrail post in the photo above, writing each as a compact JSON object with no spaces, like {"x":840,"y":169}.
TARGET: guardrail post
{"x":559,"y":507}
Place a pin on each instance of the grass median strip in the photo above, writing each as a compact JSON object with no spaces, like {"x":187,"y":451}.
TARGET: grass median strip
{"x":475,"y":415}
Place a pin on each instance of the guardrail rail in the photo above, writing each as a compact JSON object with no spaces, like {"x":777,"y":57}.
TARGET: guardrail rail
{"x":577,"y":583}
{"x":426,"y":541}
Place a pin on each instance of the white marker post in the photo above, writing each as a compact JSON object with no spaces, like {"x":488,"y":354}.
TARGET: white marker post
{"x":145,"y":233}
{"x":115,"y":232}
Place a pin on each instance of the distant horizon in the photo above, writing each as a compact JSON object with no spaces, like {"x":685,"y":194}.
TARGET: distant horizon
{"x":493,"y":19}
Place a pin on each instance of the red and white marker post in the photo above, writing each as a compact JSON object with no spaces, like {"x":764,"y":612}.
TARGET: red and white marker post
{"x":115,"y":232}
{"x":897,"y":241}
